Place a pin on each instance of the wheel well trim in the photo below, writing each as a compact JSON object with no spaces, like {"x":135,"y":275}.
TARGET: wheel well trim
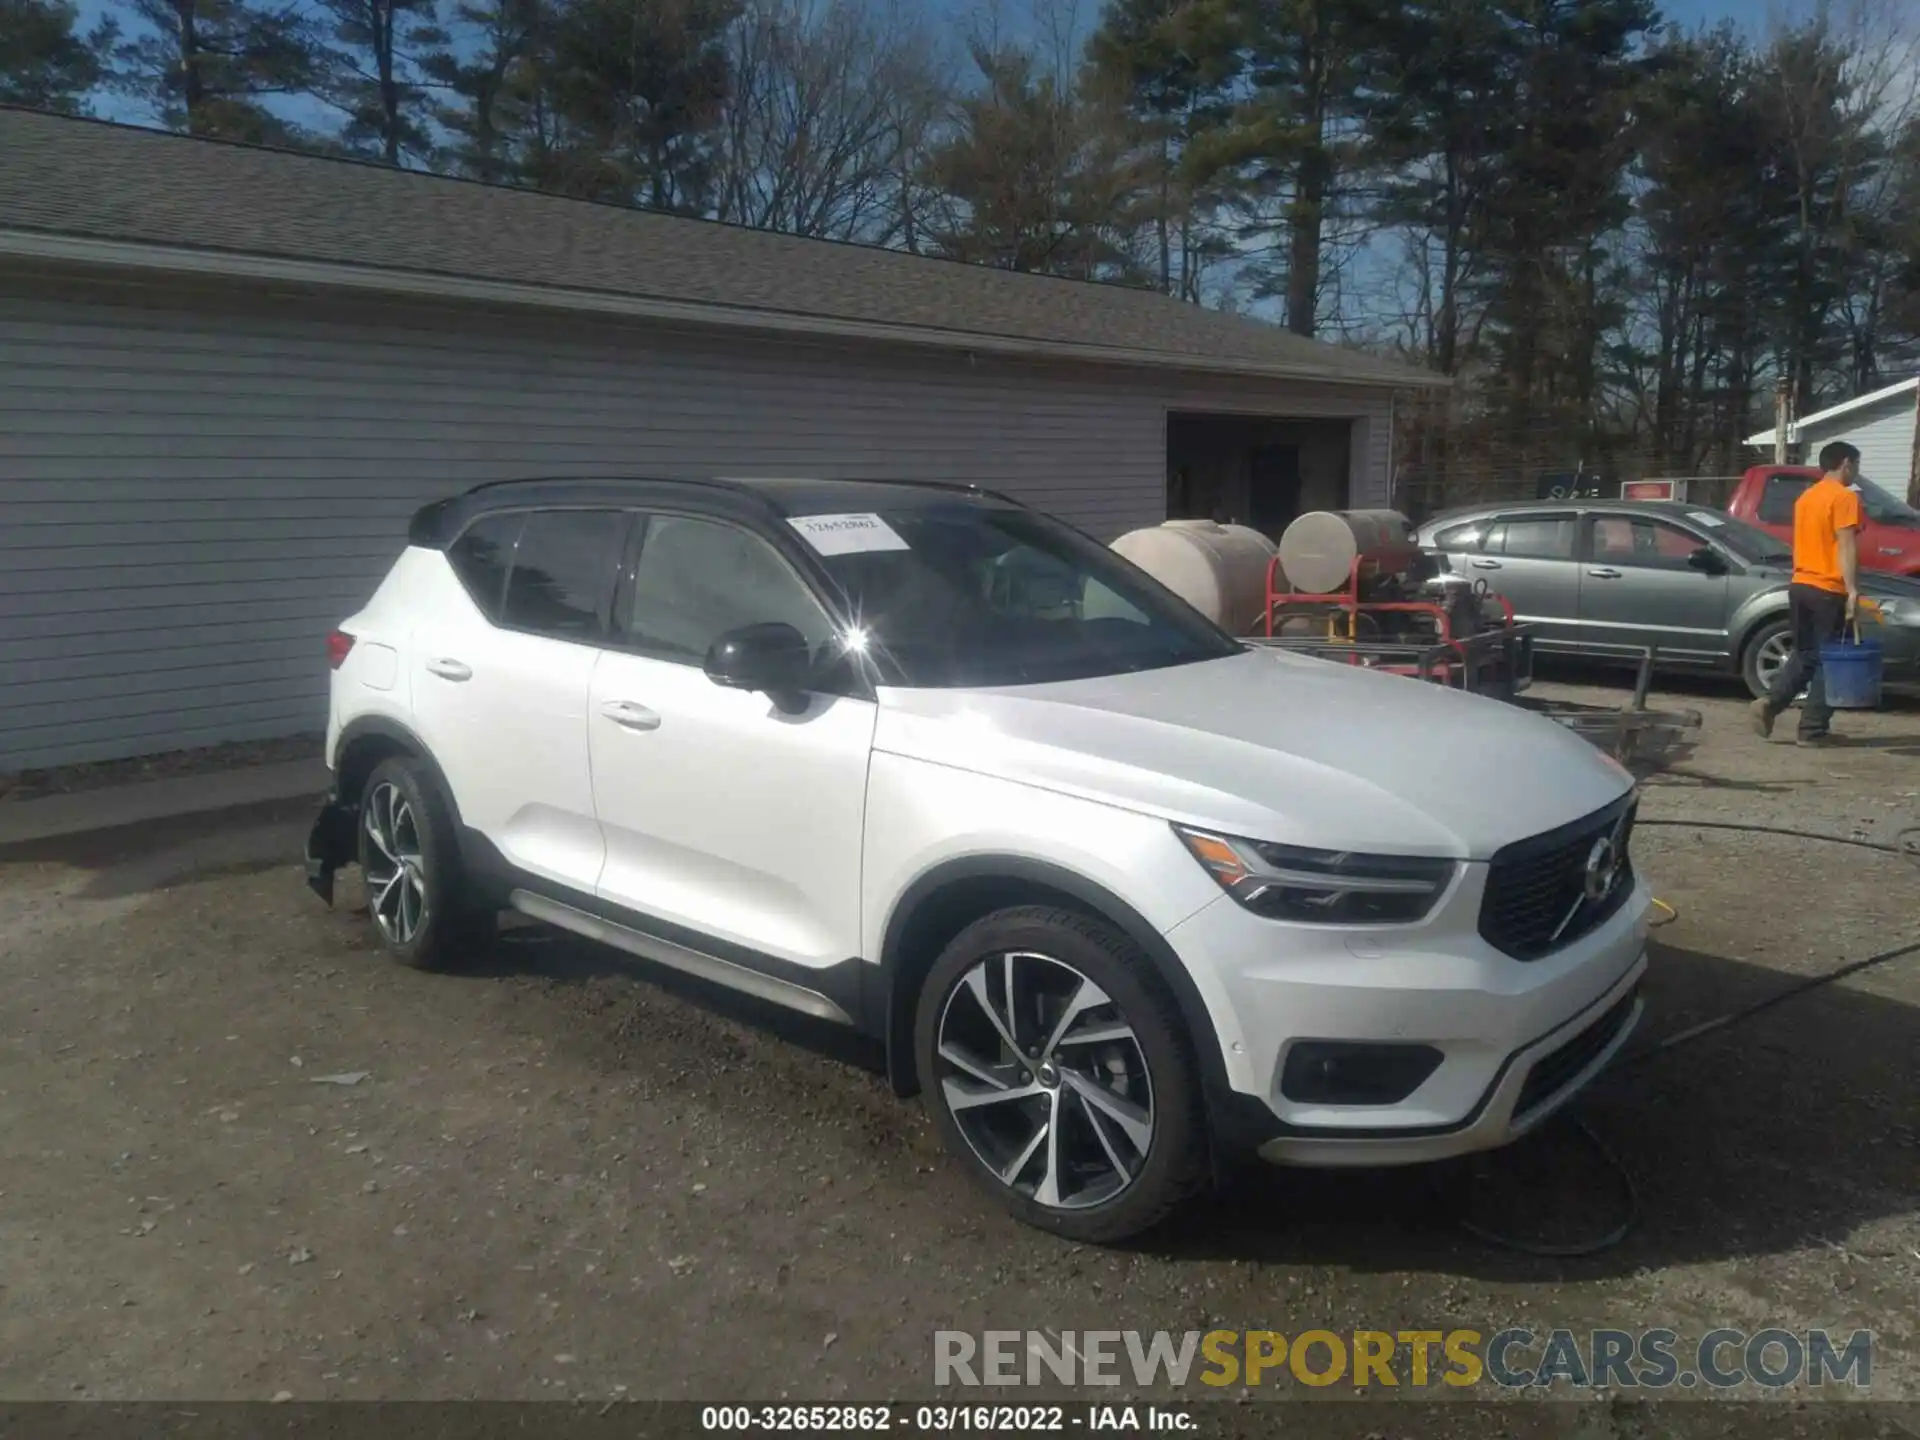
{"x":1753,"y":628}
{"x":1091,"y":894}
{"x":386,"y":728}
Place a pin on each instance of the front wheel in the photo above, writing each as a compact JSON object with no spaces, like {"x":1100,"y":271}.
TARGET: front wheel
{"x":1059,"y":1072}
{"x":1768,"y":649}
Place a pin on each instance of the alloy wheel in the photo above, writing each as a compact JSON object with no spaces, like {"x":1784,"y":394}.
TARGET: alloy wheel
{"x":1046,"y":1080}
{"x":395,"y":871}
{"x":1772,"y":654}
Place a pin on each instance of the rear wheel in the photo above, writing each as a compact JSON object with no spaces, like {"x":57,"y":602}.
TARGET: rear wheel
{"x":417,"y":896}
{"x":1060,"y":1074}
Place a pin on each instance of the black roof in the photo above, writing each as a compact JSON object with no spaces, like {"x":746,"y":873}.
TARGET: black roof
{"x":1676,"y":508}
{"x":761,"y":498}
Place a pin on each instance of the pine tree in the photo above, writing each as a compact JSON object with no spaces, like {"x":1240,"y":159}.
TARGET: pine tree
{"x":632,"y":92}
{"x":386,"y":52}
{"x":45,"y":62}
{"x":1027,"y":176}
{"x":209,"y":66}
{"x":1171,"y":66}
{"x":492,"y":84}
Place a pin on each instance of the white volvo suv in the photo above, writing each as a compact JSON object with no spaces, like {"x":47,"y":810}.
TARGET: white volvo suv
{"x":1122,"y":896}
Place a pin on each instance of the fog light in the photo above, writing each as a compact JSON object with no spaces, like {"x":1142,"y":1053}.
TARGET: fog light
{"x":1334,"y":1072}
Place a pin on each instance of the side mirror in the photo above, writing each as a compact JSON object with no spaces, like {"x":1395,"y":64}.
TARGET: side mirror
{"x":770,"y":657}
{"x":1707,"y":560}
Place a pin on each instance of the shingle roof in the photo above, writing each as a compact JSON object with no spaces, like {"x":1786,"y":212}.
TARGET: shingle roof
{"x":94,"y":181}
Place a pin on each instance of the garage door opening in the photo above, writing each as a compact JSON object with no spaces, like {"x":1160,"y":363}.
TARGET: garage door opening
{"x":1253,"y":471}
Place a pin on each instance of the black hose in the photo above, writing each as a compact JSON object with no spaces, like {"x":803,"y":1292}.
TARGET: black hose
{"x":1906,"y":845}
{"x":1747,"y":1012}
{"x":1546,"y":1250}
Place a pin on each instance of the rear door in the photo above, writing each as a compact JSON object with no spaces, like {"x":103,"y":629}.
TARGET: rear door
{"x":1638,"y":589}
{"x":500,"y":687}
{"x":1530,"y":558}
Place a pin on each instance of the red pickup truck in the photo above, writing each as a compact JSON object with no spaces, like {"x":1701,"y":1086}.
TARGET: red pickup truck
{"x":1889,"y":528}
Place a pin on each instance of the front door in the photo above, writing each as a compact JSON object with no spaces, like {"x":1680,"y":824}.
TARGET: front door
{"x":1637,"y":589}
{"x":1529,"y":558}
{"x":723,"y":815}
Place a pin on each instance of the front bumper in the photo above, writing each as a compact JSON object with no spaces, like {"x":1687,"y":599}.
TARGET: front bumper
{"x":1533,"y":1083}
{"x":1515,"y":1039}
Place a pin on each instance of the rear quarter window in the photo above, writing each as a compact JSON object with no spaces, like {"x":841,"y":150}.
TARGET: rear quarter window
{"x":562,"y":577}
{"x":481,"y":558}
{"x":1777,"y":498}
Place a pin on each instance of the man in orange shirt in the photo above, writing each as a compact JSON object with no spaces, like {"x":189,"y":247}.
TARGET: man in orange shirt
{"x":1824,"y":594}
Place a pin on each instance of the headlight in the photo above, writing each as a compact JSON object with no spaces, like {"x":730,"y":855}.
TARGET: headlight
{"x":1901,"y":610}
{"x":1321,"y":887}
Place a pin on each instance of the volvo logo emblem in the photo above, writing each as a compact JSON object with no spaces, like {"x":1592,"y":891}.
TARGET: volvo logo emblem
{"x":1599,"y":877}
{"x":1603,"y":870}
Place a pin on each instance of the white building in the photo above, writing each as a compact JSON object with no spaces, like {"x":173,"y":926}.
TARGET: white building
{"x":1879,"y":425}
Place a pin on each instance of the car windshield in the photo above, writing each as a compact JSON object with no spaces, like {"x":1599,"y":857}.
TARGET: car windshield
{"x":962,"y":594}
{"x":1883,"y":506}
{"x":1750,"y":542}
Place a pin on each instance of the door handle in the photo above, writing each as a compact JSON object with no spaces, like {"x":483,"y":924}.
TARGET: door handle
{"x":630,"y":716}
{"x":1486,"y":564}
{"x":1603,"y":573}
{"x":450,"y":669}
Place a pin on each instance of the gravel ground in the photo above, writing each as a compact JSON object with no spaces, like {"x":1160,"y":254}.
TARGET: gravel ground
{"x":561,"y":1177}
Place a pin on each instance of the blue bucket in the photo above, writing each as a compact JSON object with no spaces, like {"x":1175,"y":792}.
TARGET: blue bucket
{"x":1852,"y":669}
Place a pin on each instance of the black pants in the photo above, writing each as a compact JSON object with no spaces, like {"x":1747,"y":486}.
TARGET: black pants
{"x":1818,"y":616}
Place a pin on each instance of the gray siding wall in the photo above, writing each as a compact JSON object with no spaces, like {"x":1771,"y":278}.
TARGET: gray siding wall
{"x":195,"y":485}
{"x":1883,"y":434}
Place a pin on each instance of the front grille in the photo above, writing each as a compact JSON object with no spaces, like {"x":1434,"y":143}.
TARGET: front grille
{"x":1554,"y":1070}
{"x":1536,"y":899}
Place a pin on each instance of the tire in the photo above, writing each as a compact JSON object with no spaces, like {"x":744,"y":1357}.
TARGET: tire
{"x":1768,"y":634}
{"x":417,"y":894}
{"x":1116,"y":1175}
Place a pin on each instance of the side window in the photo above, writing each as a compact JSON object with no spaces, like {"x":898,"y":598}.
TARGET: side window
{"x":1777,"y":499}
{"x":1535,"y":537}
{"x":697,"y":579}
{"x":1461,"y":537}
{"x":1650,"y":544}
{"x":480,"y":558}
{"x":564,"y":567}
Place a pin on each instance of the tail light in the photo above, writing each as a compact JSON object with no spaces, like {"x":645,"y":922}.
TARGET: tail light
{"x":339,"y":646}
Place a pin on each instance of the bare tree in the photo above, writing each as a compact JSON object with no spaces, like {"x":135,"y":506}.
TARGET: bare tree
{"x":830,"y":99}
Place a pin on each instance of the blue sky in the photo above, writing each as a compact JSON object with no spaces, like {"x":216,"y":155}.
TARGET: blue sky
{"x":1688,"y":13}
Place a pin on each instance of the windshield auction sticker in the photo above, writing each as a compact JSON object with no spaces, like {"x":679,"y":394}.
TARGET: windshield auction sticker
{"x":847,"y":534}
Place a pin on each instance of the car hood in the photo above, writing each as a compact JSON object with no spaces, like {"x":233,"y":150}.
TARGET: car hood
{"x":1876,"y":584}
{"x":1879,"y":585}
{"x":1276,"y":747}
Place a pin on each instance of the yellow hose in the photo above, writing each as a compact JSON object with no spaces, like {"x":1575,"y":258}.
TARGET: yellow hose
{"x":1672,"y":915}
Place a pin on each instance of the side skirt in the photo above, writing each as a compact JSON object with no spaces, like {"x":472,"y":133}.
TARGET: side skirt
{"x":678,"y":957}
{"x":851,"y":992}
